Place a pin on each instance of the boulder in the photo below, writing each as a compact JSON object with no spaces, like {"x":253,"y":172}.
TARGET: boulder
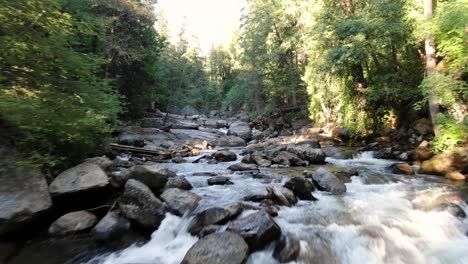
{"x":247,"y":159}
{"x":219,"y":180}
{"x":211,"y":216}
{"x":178,"y":159}
{"x":224,"y":247}
{"x":287,"y":248}
{"x":273,"y":150}
{"x":240,"y":129}
{"x":326,"y":181}
{"x":310,"y":143}
{"x":178,"y":182}
{"x":180,"y":201}
{"x":80,"y":179}
{"x":340,"y":134}
{"x":112,"y":226}
{"x":230,"y":141}
{"x":139,"y":204}
{"x":243,"y":167}
{"x":337,"y":153}
{"x":402,"y":168}
{"x":259,"y":160}
{"x":72,"y":223}
{"x":445,"y":162}
{"x":154,"y":176}
{"x":423,"y":153}
{"x":24,"y":197}
{"x":104,"y":162}
{"x":289,"y":159}
{"x":281,"y":195}
{"x":225,"y":155}
{"x":455,"y":176}
{"x":258,"y":229}
{"x":304,"y":152}
{"x":189,"y":111}
{"x":301,"y":187}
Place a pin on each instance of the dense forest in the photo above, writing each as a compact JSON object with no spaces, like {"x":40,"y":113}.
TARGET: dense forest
{"x":71,"y":72}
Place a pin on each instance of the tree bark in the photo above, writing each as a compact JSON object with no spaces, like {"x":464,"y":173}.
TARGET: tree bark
{"x":431,"y":65}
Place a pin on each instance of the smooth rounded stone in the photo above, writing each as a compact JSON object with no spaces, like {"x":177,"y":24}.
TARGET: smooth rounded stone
{"x":104,"y":162}
{"x":304,"y":152}
{"x":230,"y":141}
{"x":273,"y":150}
{"x":225,"y":155}
{"x":301,"y":187}
{"x":288,"y":159}
{"x":178,"y":159}
{"x":178,"y":182}
{"x":79,"y":179}
{"x":219,"y":180}
{"x":402,"y":168}
{"x":326,"y":181}
{"x":281,"y":195}
{"x":259,"y":160}
{"x":24,"y":197}
{"x":258,"y":229}
{"x":217,"y":248}
{"x":112,"y":226}
{"x":139,"y":204}
{"x":211,"y":216}
{"x":257,"y":197}
{"x":240,"y":129}
{"x":455,"y":176}
{"x":120,"y":176}
{"x":209,"y":230}
{"x":180,"y":201}
{"x":242,"y":167}
{"x":154,"y":176}
{"x":445,"y":162}
{"x":72,"y":223}
{"x":287,"y":248}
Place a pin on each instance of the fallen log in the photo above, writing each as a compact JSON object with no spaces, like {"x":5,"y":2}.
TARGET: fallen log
{"x":161,"y":153}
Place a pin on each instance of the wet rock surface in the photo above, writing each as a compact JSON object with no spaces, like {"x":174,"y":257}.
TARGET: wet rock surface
{"x":287,"y":248}
{"x":180,"y":201}
{"x":139,"y":204}
{"x":225,"y":247}
{"x":112,"y":226}
{"x":258,"y":229}
{"x":24,"y":197}
{"x":326,"y":181}
{"x":72,"y":223}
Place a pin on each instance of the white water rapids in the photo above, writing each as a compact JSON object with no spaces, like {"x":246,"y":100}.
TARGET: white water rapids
{"x":378,"y":220}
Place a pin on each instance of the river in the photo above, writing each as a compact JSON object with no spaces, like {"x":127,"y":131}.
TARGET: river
{"x":382,"y":218}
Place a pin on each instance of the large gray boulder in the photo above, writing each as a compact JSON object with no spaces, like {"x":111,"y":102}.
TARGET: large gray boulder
{"x":112,"y":226}
{"x":259,"y":160}
{"x":240,"y":129}
{"x":229,"y":141}
{"x":24,"y":197}
{"x":180,"y":201}
{"x":72,"y":223}
{"x":326,"y":181}
{"x":219,"y":180}
{"x":214,"y":215}
{"x":189,"y":110}
{"x":224,"y":247}
{"x":281,"y":196}
{"x":139,"y":204}
{"x":306,"y":152}
{"x":83,"y":178}
{"x":258,"y":229}
{"x":154,"y":176}
{"x":273,"y":150}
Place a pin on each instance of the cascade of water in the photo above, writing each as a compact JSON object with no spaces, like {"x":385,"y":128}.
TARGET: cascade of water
{"x":371,"y":223}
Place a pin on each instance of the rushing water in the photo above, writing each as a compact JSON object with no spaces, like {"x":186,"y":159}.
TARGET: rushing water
{"x":380,"y":219}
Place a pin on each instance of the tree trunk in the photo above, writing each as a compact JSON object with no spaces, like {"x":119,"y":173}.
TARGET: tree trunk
{"x":431,"y":65}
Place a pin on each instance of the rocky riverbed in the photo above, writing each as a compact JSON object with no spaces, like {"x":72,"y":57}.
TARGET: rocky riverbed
{"x":198,"y":190}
